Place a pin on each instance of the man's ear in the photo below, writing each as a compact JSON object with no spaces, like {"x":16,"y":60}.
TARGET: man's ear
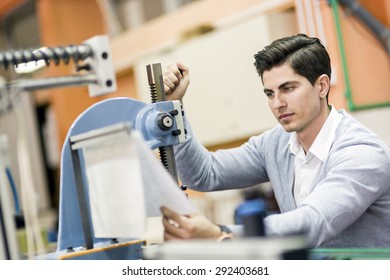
{"x":324,"y":85}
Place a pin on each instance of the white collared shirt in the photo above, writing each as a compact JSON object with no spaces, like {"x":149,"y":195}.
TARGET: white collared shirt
{"x":307,"y":166}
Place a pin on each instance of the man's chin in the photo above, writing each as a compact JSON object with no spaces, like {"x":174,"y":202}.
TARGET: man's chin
{"x":288,"y":127}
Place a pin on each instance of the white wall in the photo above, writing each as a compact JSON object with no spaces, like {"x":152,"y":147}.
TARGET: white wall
{"x":378,"y":120}
{"x":225,"y":99}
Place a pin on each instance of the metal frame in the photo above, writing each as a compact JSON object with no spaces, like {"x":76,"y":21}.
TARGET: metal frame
{"x":81,"y":141}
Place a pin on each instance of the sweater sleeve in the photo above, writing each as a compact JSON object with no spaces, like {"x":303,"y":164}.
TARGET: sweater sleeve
{"x":357,"y":178}
{"x":233,"y":168}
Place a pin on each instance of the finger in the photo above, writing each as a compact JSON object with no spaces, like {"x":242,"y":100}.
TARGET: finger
{"x":170,"y":76}
{"x":182,"y":68}
{"x":170,"y":225}
{"x":173,"y":221}
{"x":175,"y":71}
{"x":169,"y":85}
{"x":173,"y":229}
{"x":168,"y":213}
{"x":167,"y":90}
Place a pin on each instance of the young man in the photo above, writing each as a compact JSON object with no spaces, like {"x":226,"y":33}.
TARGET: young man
{"x":329,"y":173}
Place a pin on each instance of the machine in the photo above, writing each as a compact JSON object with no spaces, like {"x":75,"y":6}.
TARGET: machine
{"x":160,"y":124}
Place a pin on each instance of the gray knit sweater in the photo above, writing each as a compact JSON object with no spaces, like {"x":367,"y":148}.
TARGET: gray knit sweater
{"x":348,"y":207}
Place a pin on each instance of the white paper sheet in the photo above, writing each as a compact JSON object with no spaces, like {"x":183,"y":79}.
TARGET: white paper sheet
{"x":115,"y":190}
{"x":160,"y":188}
{"x":127,"y":183}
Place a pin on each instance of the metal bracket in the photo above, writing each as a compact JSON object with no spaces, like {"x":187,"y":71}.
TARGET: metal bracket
{"x":95,"y":52}
{"x":81,"y":141}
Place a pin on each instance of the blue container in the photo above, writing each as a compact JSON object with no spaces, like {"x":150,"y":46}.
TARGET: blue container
{"x":251,"y":214}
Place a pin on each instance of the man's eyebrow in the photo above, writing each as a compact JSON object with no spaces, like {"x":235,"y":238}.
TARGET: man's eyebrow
{"x":287,"y":83}
{"x":279,"y":87}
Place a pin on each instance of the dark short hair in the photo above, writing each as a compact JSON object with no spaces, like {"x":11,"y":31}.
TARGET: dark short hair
{"x":306,"y":55}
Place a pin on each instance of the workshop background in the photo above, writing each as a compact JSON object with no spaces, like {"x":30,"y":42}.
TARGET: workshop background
{"x":216,"y":39}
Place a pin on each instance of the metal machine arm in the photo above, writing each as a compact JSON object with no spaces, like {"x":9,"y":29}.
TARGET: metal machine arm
{"x":157,"y":92}
{"x":94,"y":53}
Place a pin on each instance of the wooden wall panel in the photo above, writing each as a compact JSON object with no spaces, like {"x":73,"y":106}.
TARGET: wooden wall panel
{"x":8,"y":5}
{"x":368,"y":62}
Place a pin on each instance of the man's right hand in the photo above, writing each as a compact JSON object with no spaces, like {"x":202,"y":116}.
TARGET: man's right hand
{"x":176,"y":80}
{"x":193,"y":226}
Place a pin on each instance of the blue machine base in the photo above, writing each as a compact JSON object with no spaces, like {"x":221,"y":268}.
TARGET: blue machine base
{"x":129,"y":250}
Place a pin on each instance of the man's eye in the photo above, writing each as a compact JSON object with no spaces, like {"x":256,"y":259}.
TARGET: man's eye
{"x":269,"y":94}
{"x":288,"y":89}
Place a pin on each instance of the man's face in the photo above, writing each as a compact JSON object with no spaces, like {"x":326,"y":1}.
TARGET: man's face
{"x":293,"y":100}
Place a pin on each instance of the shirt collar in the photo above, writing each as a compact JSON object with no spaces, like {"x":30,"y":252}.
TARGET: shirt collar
{"x":293,"y":144}
{"x":324,"y":140}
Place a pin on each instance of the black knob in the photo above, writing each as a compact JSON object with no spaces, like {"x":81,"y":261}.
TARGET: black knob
{"x":174,"y":112}
{"x":176,"y":132}
{"x":165,"y":121}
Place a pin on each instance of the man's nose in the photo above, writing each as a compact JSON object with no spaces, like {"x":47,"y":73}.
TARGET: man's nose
{"x":278,"y":101}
